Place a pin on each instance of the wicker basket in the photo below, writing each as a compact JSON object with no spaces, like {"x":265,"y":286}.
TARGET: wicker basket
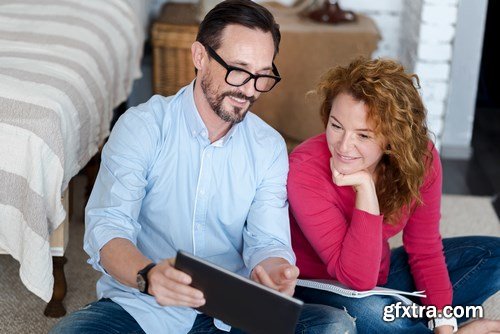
{"x":172,"y":63}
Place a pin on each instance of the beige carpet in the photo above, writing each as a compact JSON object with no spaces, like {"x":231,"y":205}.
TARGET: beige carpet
{"x":464,"y":215}
{"x":22,"y":312}
{"x":468,"y":215}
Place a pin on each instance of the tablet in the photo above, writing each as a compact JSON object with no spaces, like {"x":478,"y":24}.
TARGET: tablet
{"x":239,"y":301}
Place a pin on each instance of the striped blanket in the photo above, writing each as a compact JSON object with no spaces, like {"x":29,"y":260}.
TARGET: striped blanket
{"x":64,"y":66}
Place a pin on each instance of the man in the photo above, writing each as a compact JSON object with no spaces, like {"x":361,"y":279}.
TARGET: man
{"x":196,"y":172}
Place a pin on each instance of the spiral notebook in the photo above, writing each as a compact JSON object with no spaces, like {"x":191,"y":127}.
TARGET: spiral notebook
{"x":341,"y":289}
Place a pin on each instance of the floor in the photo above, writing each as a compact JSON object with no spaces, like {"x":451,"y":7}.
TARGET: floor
{"x":480,"y":175}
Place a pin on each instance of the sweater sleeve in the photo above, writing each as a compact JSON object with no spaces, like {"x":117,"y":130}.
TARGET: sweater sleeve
{"x":422,"y":241}
{"x":340,"y":241}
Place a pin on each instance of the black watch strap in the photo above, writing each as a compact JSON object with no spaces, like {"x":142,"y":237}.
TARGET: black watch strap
{"x":142,"y":278}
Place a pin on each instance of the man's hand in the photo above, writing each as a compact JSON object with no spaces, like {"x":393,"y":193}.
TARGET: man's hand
{"x":277,"y":274}
{"x":170,"y":286}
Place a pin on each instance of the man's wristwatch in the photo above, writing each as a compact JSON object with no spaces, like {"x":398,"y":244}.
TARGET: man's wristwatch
{"x":142,"y":278}
{"x":442,"y":321}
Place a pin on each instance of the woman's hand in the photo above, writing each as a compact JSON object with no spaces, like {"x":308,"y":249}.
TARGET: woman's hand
{"x":170,"y":286}
{"x":364,"y":185}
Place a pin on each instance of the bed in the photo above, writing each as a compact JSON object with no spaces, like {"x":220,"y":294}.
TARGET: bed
{"x":64,"y":66}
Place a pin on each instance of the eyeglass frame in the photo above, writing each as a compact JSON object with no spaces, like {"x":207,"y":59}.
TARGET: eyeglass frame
{"x":229,"y":68}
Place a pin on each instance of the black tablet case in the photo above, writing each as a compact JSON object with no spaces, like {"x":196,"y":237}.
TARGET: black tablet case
{"x":239,"y":301}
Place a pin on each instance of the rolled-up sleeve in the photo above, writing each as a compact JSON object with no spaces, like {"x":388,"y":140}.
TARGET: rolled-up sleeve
{"x":115,"y":202}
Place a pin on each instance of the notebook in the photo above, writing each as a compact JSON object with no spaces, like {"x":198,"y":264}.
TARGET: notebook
{"x":341,"y":289}
{"x":239,"y":301}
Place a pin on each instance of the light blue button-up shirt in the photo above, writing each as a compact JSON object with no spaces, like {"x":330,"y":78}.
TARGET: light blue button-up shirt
{"x":165,"y":187}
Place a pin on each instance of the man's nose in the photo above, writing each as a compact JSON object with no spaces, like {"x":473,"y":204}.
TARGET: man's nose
{"x":249,"y":88}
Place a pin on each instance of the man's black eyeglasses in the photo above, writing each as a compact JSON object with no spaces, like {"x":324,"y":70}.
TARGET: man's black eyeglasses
{"x":237,"y":77}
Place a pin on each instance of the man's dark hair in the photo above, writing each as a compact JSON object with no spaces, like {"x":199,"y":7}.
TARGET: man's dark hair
{"x":243,"y":12}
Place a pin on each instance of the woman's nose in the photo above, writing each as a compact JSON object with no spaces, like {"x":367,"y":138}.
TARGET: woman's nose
{"x":345,"y":142}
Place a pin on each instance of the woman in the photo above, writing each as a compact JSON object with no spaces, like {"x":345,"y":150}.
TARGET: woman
{"x":374,"y":173}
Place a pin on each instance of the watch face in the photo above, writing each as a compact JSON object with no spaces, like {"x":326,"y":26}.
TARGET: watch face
{"x":142,"y":278}
{"x":141,"y":283}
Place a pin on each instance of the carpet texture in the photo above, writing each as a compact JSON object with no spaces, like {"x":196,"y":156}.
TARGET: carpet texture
{"x":22,"y":312}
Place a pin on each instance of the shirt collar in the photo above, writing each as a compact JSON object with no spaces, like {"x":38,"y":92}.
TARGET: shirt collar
{"x":221,"y":142}
{"x":194,"y":121}
{"x":193,"y":118}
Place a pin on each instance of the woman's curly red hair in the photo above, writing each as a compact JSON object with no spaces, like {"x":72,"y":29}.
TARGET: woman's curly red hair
{"x":396,"y":110}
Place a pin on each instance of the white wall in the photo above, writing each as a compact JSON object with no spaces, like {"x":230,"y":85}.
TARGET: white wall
{"x":387,"y":16}
{"x":464,"y":73}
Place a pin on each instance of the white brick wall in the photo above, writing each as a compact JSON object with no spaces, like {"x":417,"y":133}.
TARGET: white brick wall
{"x":428,"y":33}
{"x":372,"y":6}
{"x":420,"y":34}
{"x":438,"y":14}
{"x":432,"y":71}
{"x":434,"y":52}
{"x":434,"y":55}
{"x":387,"y":16}
{"x":434,"y":90}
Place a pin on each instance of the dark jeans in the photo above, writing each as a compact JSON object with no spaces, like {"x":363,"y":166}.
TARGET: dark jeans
{"x":474,"y":268}
{"x":105,"y":316}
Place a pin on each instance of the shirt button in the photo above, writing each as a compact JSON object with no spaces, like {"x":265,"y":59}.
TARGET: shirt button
{"x":202,"y":191}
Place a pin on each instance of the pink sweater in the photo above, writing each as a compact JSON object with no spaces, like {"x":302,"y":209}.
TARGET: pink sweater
{"x":333,"y":239}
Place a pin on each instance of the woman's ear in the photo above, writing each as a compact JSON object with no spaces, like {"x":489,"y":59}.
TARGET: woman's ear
{"x":198,"y":54}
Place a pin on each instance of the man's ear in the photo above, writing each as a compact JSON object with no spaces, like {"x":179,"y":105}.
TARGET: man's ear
{"x":198,"y":54}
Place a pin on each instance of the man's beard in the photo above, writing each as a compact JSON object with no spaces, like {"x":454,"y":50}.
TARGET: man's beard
{"x":215,"y":102}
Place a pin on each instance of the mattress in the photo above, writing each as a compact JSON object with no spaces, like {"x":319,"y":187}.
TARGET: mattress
{"x":64,"y":66}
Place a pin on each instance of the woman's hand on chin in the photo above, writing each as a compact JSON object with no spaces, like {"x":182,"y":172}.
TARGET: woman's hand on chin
{"x":364,"y":185}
